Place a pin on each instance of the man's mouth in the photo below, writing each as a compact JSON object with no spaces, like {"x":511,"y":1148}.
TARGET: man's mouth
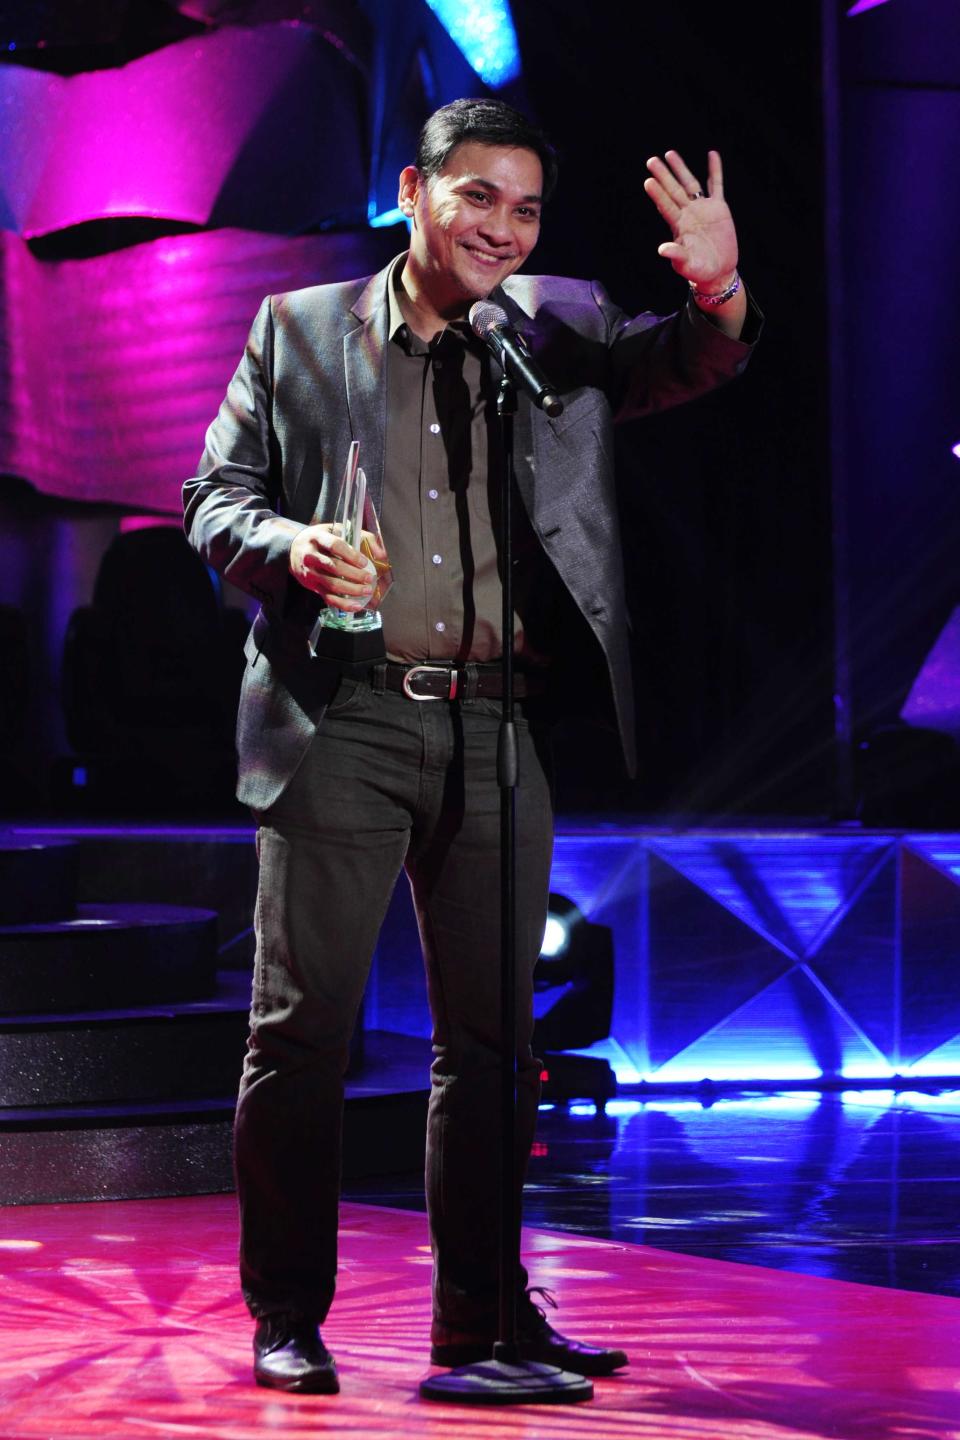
{"x":486,"y":257}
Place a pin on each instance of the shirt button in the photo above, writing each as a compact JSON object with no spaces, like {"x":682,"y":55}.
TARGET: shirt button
{"x":437,"y":559}
{"x":434,"y":494}
{"x":440,"y":626}
{"x":434,"y":428}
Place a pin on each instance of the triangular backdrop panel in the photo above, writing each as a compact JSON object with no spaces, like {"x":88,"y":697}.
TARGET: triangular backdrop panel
{"x":789,"y":888}
{"x":791,"y":1030}
{"x":704,"y":961}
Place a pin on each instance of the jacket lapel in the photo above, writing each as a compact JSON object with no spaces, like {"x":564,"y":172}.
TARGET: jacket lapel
{"x":363,"y":362}
{"x":527,"y":417}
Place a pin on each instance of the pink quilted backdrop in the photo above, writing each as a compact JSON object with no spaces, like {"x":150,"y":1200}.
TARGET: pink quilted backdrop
{"x":111,"y":368}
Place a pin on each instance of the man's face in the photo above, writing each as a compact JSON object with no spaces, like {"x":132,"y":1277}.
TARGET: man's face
{"x":474,"y":223}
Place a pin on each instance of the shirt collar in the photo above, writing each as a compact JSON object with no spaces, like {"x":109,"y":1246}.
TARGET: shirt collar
{"x":398,"y":330}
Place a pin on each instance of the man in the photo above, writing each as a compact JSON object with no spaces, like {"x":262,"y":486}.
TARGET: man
{"x":355,"y":771}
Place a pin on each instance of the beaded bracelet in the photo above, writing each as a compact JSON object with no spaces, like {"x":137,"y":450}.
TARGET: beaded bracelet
{"x":722,"y":297}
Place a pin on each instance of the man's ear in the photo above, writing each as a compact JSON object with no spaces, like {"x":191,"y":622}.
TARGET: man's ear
{"x":410,"y":182}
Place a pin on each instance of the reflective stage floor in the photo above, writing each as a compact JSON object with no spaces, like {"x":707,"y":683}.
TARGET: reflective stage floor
{"x":121,"y":1319}
{"x":861,"y":1186}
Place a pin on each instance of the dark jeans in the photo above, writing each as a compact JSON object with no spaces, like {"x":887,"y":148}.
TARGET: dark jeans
{"x":388,"y":783}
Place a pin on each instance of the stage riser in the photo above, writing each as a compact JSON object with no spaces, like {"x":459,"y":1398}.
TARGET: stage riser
{"x":173,"y":1058}
{"x":188,"y":1157}
{"x":37,"y":883}
{"x":214,"y":868}
{"x":108,"y":956}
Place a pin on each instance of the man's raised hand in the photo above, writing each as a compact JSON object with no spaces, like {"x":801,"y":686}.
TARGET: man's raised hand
{"x":704,"y":245}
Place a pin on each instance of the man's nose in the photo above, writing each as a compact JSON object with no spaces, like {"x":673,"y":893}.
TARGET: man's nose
{"x":496,"y":228}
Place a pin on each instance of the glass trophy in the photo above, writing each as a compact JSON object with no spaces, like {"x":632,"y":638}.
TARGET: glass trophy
{"x":356,"y":520}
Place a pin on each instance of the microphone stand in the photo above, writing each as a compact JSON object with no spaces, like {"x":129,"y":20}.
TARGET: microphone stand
{"x":506,"y":1379}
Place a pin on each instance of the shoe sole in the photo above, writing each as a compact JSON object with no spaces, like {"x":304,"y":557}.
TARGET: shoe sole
{"x":592,"y":1367}
{"x":308,"y":1385}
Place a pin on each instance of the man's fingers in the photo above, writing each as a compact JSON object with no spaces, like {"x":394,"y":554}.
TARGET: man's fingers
{"x":661,"y":199}
{"x":662,"y":172}
{"x":344,"y":554}
{"x":346,"y":602}
{"x":337,"y":557}
{"x":324,"y":563}
{"x":375,"y":547}
{"x":714,"y":174}
{"x":688,"y":181}
{"x":671,"y":251}
{"x":333,"y":569}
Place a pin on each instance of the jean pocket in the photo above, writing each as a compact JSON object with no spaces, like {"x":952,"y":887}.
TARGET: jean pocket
{"x":347,"y":696}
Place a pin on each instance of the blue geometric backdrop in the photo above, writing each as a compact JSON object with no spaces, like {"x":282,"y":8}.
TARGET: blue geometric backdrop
{"x":752,"y":956}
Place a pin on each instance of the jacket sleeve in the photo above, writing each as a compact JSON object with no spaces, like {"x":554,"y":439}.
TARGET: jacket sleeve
{"x":657,"y":362}
{"x":231,"y":505}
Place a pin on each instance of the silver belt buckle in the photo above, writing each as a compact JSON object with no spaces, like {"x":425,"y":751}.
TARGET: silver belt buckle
{"x":430,"y":670}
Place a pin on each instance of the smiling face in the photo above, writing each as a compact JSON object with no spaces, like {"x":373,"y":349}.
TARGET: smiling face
{"x":474,"y":223}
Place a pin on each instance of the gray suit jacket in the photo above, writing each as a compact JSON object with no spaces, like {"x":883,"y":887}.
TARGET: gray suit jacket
{"x":312,"y":379}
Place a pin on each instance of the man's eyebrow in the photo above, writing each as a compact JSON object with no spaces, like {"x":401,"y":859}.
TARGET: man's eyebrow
{"x":492,"y":185}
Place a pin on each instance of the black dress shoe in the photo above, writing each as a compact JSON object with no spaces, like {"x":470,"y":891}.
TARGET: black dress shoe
{"x":536,"y":1340}
{"x":289,"y":1355}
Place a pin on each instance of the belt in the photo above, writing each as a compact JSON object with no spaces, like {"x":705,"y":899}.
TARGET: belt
{"x":451,"y":682}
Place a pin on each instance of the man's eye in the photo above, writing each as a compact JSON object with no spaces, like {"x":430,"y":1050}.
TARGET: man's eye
{"x":480,"y":195}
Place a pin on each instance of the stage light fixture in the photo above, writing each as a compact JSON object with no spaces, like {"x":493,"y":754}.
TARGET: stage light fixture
{"x":556,"y":937}
{"x":576,"y":962}
{"x":576,"y":958}
{"x":483,"y":31}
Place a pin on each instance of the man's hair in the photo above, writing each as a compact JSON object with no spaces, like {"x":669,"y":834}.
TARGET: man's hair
{"x":486,"y":122}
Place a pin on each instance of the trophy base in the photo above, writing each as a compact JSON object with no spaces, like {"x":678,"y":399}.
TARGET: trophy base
{"x":348,"y":647}
{"x":350,"y":622}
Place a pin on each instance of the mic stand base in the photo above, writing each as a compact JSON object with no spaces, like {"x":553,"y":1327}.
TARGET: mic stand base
{"x":507,"y":1382}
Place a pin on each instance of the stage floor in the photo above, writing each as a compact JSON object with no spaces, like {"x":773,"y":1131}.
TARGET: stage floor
{"x":122,"y":1319}
{"x":859,"y":1185}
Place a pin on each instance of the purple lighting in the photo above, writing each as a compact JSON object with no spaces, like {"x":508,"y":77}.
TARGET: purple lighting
{"x":130,"y":353}
{"x":182,"y":134}
{"x":955,"y":450}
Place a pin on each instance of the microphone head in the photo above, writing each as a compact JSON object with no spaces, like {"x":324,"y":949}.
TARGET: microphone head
{"x":484,"y":316}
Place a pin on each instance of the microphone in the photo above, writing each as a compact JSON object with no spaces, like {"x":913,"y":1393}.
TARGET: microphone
{"x":491,"y":323}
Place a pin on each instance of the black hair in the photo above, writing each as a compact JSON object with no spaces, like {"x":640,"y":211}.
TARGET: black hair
{"x":486,"y":122}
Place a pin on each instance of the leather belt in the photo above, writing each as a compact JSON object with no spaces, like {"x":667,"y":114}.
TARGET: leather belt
{"x":451,"y":682}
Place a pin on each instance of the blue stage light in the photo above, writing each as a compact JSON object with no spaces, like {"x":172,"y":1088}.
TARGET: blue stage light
{"x":757,"y":1067}
{"x":623,"y":1107}
{"x":483,"y":31}
{"x":867,"y":1070}
{"x":387,"y":217}
{"x":944,"y":1102}
{"x":942,"y":1063}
